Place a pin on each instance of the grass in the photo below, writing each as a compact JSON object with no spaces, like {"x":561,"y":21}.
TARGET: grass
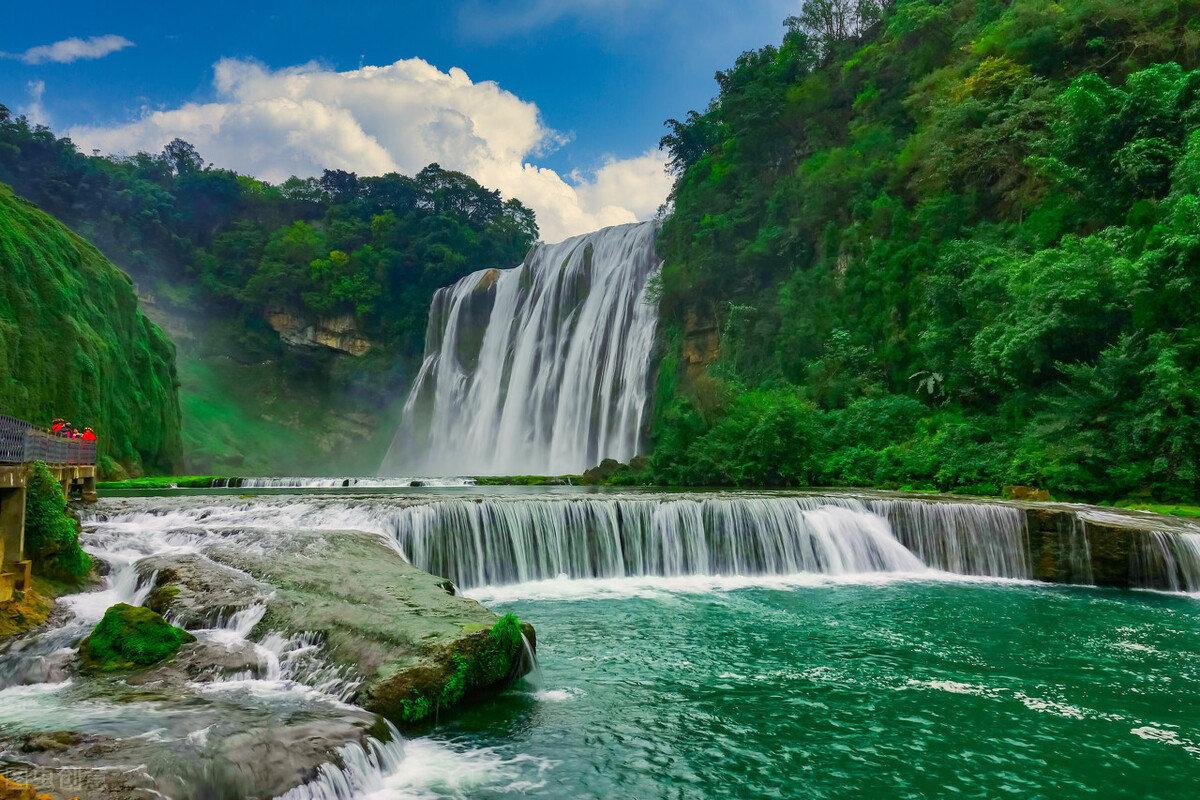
{"x":163,"y":482}
{"x":528,"y":480}
{"x":1171,"y":509}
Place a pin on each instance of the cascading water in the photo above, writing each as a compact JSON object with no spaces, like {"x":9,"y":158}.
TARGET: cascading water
{"x":1169,"y":561}
{"x":517,"y":541}
{"x":543,"y":368}
{"x":440,"y":482}
{"x":486,"y":540}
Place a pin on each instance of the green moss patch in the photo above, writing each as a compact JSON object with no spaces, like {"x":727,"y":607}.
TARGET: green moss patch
{"x":485,"y":660}
{"x":129,"y":637}
{"x":51,"y":529}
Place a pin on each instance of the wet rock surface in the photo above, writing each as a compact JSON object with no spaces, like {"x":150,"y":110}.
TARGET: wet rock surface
{"x":402,"y":630}
{"x":195,"y":591}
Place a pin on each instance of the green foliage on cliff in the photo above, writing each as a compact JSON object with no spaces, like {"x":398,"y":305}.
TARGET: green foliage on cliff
{"x":128,"y":637}
{"x":51,"y":529}
{"x":949,"y":244}
{"x":73,"y":343}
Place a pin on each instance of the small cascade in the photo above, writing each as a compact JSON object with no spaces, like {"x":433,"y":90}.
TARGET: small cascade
{"x":516,"y":541}
{"x":964,"y":538}
{"x":1075,"y":550}
{"x":539,"y":369}
{"x":495,"y":540}
{"x":1169,"y":561}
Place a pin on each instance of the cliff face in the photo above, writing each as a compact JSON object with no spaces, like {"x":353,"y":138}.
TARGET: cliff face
{"x":74,"y":344}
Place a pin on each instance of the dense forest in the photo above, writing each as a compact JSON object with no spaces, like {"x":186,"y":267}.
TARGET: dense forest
{"x":73,"y":343}
{"x":217,"y":255}
{"x":945,"y":244}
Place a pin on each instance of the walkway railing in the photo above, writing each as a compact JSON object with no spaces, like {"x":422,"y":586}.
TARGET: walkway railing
{"x":21,"y":442}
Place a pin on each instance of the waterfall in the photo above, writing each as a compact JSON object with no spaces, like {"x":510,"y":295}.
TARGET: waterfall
{"x":1169,"y":561}
{"x":515,"y":541}
{"x":965,"y":538}
{"x":492,"y":540}
{"x":543,"y":368}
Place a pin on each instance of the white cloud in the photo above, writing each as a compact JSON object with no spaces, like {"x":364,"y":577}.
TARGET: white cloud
{"x":399,"y":117}
{"x":73,"y":49}
{"x":492,"y":19}
{"x":36,"y":111}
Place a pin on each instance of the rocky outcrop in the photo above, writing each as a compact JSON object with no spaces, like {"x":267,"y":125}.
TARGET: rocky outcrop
{"x":1069,"y":544}
{"x":195,"y":591}
{"x":339,"y":333}
{"x":701,"y":343}
{"x":418,"y":647}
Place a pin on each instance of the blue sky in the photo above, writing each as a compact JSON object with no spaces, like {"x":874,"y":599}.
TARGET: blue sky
{"x":581,"y":87}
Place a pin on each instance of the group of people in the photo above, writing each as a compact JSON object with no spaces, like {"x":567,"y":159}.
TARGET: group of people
{"x":60,"y":427}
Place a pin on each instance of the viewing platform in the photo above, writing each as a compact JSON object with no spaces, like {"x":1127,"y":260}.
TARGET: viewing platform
{"x":73,"y":463}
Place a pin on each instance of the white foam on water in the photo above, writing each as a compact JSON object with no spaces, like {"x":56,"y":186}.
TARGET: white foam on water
{"x":416,"y":769}
{"x":660,"y":588}
{"x":558,"y":695}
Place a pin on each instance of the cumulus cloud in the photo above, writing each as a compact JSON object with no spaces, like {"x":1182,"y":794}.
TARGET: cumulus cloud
{"x":73,"y":49}
{"x":399,"y":117}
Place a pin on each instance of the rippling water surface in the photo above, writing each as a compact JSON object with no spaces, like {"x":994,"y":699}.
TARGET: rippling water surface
{"x":881,"y":689}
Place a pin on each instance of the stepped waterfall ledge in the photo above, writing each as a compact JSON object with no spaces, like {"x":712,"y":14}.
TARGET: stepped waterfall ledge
{"x":543,"y":368}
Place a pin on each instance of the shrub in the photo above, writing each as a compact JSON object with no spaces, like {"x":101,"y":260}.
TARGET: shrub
{"x":51,"y":529}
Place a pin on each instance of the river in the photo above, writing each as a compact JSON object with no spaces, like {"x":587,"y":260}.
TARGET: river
{"x":691,"y":646}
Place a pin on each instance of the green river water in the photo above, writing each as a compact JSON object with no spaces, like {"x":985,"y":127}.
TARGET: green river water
{"x":892,"y":689}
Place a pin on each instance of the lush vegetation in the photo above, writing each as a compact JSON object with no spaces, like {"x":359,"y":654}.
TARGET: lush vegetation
{"x":74,"y":344}
{"x":217,"y":255}
{"x":52,"y":529}
{"x":128,"y":637}
{"x":951,"y":244}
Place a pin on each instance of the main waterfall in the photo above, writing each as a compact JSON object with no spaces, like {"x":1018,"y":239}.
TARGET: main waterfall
{"x":543,"y":368}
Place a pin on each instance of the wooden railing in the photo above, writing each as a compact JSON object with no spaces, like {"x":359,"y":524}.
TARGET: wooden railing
{"x":21,"y":442}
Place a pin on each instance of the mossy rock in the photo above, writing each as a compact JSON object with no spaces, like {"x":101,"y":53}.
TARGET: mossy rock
{"x":129,"y":637}
{"x":484,"y":659}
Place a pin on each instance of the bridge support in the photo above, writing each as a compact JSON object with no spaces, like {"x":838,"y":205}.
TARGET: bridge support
{"x":15,"y":569}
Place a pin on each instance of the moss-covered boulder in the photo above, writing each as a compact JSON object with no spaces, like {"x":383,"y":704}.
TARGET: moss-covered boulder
{"x":129,"y":637}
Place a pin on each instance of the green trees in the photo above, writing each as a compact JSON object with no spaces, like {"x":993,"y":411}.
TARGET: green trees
{"x":965,"y":234}
{"x":208,"y":242}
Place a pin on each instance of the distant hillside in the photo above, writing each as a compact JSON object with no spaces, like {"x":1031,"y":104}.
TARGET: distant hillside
{"x":74,"y":344}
